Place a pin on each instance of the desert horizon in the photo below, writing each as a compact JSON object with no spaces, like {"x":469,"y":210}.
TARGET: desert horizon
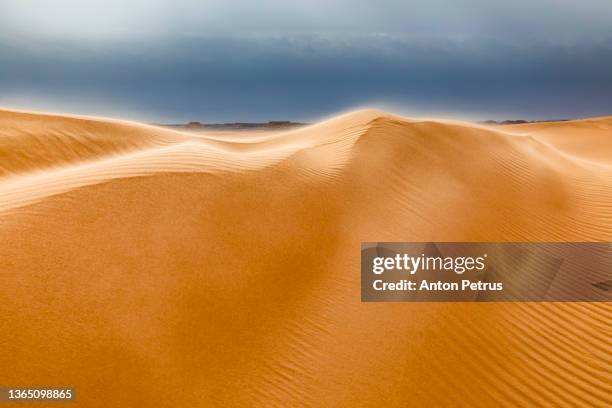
{"x":139,"y":258}
{"x":276,"y":122}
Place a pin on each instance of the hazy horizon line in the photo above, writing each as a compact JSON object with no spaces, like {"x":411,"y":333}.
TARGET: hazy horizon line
{"x":273,"y":118}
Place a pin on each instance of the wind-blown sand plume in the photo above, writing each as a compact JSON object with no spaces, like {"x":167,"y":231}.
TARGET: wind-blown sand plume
{"x":36,"y":141}
{"x":584,"y":138}
{"x":147,"y":267}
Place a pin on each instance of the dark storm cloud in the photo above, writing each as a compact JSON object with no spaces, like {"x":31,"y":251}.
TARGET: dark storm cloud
{"x":439,"y":63}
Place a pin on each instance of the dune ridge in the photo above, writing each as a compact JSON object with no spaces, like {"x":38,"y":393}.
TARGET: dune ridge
{"x":583,"y":138}
{"x":226,"y":267}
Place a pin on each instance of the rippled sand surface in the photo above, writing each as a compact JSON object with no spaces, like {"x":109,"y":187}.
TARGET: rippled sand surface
{"x":148,"y":267}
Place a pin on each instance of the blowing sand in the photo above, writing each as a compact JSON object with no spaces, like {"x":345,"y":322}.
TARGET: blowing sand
{"x":149,"y":267}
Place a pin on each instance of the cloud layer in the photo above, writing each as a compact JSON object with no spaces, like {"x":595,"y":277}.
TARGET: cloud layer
{"x":158,"y":60}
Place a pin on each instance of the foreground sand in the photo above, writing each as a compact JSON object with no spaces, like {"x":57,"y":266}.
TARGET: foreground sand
{"x":147,"y":267}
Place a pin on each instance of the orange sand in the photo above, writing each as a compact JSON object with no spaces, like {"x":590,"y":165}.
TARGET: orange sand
{"x":147,"y":267}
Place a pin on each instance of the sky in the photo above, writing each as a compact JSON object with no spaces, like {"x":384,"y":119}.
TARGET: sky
{"x":223,"y":61}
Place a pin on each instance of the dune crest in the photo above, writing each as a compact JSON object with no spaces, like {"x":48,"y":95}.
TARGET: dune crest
{"x":584,"y":138}
{"x":226,"y":267}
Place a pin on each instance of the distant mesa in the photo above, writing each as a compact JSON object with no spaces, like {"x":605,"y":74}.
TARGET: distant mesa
{"x":519,"y":121}
{"x":271,"y":125}
{"x":194,"y":125}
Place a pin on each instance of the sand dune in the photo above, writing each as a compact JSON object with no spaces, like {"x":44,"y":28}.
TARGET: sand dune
{"x":148,"y":267}
{"x":584,"y":138}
